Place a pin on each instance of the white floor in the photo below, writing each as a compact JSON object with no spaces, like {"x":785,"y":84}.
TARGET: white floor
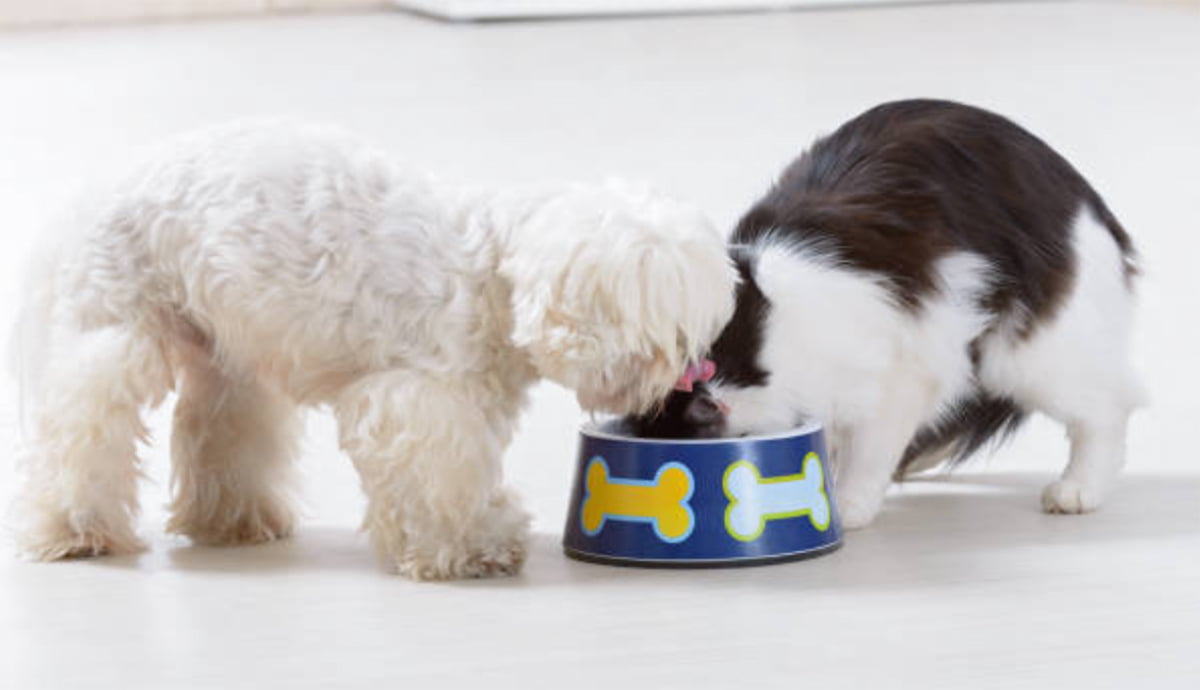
{"x":961,"y":584}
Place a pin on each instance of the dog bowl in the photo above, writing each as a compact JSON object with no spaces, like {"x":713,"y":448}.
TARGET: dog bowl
{"x":701,"y":503}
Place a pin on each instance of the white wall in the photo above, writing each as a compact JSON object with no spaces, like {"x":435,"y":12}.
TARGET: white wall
{"x":15,"y":13}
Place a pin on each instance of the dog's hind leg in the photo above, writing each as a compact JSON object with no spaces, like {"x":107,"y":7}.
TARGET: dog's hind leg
{"x":81,"y":495}
{"x":428,"y":452}
{"x":232,"y":450}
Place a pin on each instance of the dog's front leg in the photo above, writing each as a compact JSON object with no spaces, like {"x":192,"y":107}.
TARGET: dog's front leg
{"x":428,"y":452}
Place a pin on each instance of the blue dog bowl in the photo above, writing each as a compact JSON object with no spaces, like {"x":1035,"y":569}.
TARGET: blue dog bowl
{"x":701,"y":503}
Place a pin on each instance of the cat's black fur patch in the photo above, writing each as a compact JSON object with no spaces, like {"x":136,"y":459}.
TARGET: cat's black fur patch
{"x":693,"y":414}
{"x":905,"y":183}
{"x":973,"y":422}
{"x":745,"y":331}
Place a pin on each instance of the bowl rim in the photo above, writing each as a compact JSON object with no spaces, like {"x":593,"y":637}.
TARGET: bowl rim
{"x":594,"y":429}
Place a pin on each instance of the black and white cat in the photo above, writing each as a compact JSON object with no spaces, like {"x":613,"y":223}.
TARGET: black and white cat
{"x":920,"y":280}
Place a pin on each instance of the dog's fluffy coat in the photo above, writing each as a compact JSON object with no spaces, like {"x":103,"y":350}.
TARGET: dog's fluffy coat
{"x":261,"y":267}
{"x":919,"y":280}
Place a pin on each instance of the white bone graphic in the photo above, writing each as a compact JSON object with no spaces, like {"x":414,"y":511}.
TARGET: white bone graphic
{"x":754,"y":500}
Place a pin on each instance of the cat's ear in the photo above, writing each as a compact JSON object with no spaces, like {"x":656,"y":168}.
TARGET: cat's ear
{"x":741,"y":254}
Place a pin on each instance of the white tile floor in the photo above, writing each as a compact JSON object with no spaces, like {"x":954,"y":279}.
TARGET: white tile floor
{"x":962,"y":583}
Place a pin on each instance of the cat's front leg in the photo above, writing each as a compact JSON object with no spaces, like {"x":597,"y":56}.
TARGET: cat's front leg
{"x":865,"y":467}
{"x":870,"y":450}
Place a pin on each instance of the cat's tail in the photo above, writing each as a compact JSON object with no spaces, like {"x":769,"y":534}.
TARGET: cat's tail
{"x":1130,"y":260}
{"x":973,"y":423}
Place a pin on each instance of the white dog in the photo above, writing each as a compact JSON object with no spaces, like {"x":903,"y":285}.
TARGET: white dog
{"x":257,"y":268}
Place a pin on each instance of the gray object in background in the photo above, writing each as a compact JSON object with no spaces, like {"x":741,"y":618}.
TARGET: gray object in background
{"x":483,"y":10}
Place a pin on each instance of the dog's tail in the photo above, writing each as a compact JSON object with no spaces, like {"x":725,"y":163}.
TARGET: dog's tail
{"x":29,"y":343}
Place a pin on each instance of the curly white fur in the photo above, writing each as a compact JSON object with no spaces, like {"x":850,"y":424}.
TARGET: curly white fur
{"x":261,"y":267}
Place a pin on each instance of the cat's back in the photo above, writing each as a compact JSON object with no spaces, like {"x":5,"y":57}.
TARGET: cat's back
{"x":922,"y":147}
{"x":905,"y":185}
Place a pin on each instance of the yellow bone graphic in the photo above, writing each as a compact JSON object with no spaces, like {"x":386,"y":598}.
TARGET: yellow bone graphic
{"x":662,"y":501}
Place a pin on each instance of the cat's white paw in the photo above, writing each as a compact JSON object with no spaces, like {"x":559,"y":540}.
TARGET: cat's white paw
{"x":856,"y":514}
{"x":1067,"y":496}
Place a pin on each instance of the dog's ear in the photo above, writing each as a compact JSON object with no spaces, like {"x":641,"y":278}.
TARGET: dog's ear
{"x":614,"y":292}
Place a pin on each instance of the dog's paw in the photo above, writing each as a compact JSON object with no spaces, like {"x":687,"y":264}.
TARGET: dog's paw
{"x":507,"y":561}
{"x":495,"y":545}
{"x":1068,"y":497}
{"x":262,"y":521}
{"x":54,"y":538}
{"x":500,"y":560}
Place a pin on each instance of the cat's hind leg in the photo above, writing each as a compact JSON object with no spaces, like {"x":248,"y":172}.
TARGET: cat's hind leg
{"x":1076,"y":369}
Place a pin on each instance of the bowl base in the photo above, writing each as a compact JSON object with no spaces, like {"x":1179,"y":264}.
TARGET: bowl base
{"x":700,"y":564}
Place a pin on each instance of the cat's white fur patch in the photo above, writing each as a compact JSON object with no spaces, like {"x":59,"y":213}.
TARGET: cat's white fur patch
{"x":839,"y":348}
